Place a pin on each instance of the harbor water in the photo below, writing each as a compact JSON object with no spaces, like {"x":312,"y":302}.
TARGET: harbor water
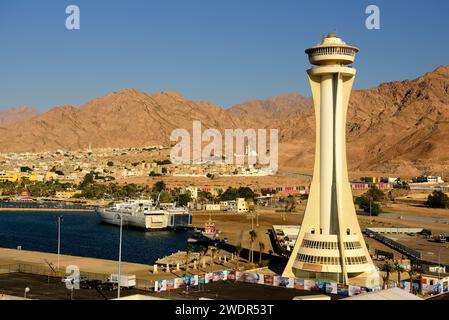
{"x":83,"y":234}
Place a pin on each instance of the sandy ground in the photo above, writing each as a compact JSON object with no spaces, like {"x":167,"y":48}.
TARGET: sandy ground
{"x":415,"y":210}
{"x":222,"y":182}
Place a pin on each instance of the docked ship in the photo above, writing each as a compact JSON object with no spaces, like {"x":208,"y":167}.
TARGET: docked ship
{"x":206,"y":235}
{"x":147,"y":215}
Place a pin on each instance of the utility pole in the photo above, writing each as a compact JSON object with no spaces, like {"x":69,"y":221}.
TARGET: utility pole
{"x":119,"y":256}
{"x":59,"y":239}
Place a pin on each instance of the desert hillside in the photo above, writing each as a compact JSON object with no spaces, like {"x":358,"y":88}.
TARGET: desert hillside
{"x":18,"y":114}
{"x":397,"y":127}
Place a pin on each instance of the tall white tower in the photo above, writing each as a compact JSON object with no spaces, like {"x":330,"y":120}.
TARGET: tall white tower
{"x":330,"y":244}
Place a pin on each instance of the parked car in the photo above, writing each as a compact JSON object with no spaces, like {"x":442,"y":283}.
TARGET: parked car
{"x":108,"y":286}
{"x":89,"y":284}
{"x":73,"y":280}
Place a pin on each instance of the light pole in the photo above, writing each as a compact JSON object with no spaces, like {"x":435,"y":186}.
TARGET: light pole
{"x":439,"y":263}
{"x":26,"y":291}
{"x":252,"y":221}
{"x":59,"y":239}
{"x":119,"y":255}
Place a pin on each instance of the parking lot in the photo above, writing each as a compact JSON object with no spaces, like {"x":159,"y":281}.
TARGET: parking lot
{"x":48,"y":288}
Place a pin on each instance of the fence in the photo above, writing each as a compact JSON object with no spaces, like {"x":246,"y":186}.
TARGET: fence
{"x":46,"y":205}
{"x":332,"y":288}
{"x":395,"y":245}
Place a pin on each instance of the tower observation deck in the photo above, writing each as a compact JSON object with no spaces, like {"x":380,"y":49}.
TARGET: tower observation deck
{"x":332,"y":51}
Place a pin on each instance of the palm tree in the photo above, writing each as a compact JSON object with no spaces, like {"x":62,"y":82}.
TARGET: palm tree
{"x":399,"y":269}
{"x":261,"y":249}
{"x":252,"y":237}
{"x":217,"y":253}
{"x":419,"y":271}
{"x":188,"y":252}
{"x":385,"y":280}
{"x":411,"y":272}
{"x":238,"y":251}
{"x":212,"y":251}
{"x":203,"y":250}
{"x":388,"y":268}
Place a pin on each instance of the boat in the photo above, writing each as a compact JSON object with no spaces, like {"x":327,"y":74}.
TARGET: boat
{"x":205,"y":235}
{"x":146,"y":214}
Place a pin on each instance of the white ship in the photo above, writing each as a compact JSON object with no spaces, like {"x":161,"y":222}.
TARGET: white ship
{"x":147,"y":215}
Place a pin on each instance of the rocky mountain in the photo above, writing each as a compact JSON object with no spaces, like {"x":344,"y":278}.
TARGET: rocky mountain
{"x":397,"y":127}
{"x":275,"y":108}
{"x":18,"y":114}
{"x":127,"y":118}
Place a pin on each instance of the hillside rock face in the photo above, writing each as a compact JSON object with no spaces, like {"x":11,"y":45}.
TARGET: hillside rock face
{"x":127,"y":118}
{"x":264,"y":112}
{"x":18,"y":114}
{"x":397,"y":127}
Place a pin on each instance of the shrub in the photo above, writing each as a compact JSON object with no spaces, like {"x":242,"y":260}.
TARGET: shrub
{"x":438,"y":199}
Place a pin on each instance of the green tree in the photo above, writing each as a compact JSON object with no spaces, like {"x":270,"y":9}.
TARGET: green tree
{"x":159,"y":186}
{"x":229,"y":194}
{"x":184,"y":199}
{"x":88,"y":178}
{"x":399,"y":269}
{"x":246,"y":193}
{"x":165,"y":197}
{"x":366,"y":205}
{"x":438,"y":199}
{"x":376,"y":194}
{"x":154,"y":174}
{"x":252,"y":238}
{"x":388,"y":268}
{"x":205,"y":195}
{"x":291,"y":203}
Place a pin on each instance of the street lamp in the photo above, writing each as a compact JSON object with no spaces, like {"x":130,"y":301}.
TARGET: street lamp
{"x":119,"y":254}
{"x":26,"y":291}
{"x":439,"y":262}
{"x":59,"y":238}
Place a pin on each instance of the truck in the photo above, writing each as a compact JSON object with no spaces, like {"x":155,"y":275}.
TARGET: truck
{"x":126,"y":280}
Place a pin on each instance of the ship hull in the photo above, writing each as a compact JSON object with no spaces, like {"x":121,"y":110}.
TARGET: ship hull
{"x":144,"y":222}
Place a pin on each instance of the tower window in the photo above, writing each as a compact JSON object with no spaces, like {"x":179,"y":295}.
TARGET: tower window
{"x":348,"y":231}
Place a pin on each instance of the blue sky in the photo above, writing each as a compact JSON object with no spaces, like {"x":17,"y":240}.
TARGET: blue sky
{"x":224,"y":52}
